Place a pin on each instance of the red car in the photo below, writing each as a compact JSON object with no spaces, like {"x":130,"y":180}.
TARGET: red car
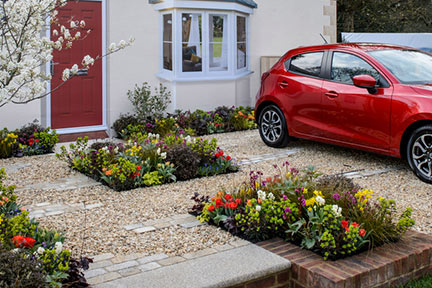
{"x":374,"y":97}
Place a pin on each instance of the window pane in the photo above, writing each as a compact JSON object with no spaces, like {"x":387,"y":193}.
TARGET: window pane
{"x":218,"y":43}
{"x":167,"y":26}
{"x":345,"y":66}
{"x":241,"y":55}
{"x":167,"y":42}
{"x":192,"y":42}
{"x":309,"y":63}
{"x":241,"y":42}
{"x":241,"y":29}
{"x":167,"y":56}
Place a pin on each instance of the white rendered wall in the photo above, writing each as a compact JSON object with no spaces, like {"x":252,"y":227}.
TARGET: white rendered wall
{"x":13,"y":116}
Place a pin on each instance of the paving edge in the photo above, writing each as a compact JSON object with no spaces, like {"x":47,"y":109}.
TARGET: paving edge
{"x":237,"y":266}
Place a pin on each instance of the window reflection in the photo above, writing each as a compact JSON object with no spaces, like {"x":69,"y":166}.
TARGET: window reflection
{"x":308,"y":63}
{"x":345,"y":66}
{"x":167,"y":42}
{"x":241,"y":42}
{"x":218,"y":43}
{"x":192,"y":42}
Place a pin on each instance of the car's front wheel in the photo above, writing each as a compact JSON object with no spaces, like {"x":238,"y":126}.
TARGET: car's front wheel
{"x":272,"y":127}
{"x":419,"y":153}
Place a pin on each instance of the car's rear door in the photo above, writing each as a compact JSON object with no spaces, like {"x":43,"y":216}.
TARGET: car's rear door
{"x":300,"y":84}
{"x":352,"y":114}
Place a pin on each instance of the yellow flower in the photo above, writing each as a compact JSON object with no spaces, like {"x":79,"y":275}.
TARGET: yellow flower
{"x":311,"y":201}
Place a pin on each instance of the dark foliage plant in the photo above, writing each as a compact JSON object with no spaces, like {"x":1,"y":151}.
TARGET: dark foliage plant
{"x":186,"y":160}
{"x":18,"y":270}
{"x":75,"y":273}
{"x":123,"y":122}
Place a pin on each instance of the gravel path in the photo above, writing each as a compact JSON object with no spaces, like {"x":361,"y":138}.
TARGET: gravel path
{"x":104,"y":227}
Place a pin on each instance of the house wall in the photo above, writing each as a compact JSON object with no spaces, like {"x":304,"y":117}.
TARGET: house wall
{"x":14,"y":116}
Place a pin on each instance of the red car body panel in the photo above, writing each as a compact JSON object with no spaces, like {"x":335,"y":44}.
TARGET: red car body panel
{"x":342,"y":114}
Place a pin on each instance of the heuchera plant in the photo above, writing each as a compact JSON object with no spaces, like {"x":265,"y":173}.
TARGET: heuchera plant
{"x":291,"y":205}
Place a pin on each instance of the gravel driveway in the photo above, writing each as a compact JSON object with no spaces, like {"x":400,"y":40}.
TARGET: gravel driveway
{"x":104,"y":227}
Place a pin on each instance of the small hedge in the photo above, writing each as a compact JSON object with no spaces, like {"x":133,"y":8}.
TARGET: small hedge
{"x":330,"y":216}
{"x":31,"y":139}
{"x":31,"y":256}
{"x":222,"y":119}
{"x":147,"y":160}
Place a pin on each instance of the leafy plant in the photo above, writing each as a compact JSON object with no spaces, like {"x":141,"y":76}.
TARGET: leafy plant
{"x":148,"y":105}
{"x":7,"y":143}
{"x":121,"y":124}
{"x":185,"y":160}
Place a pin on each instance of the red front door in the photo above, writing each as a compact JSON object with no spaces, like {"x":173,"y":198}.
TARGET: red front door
{"x":78,"y":103}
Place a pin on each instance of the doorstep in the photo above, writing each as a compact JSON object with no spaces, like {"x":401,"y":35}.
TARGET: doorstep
{"x":74,"y":136}
{"x":245,"y":266}
{"x":386,"y":266}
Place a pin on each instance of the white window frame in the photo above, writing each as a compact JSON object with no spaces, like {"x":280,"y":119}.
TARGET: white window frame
{"x":161,"y":42}
{"x":177,"y":75}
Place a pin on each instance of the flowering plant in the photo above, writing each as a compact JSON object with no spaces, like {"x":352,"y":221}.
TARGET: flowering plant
{"x":311,"y":212}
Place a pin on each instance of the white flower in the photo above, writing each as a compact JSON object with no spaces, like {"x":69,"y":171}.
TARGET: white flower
{"x":82,"y":24}
{"x":66,"y":74}
{"x":78,"y":34}
{"x":320,"y":200}
{"x":55,"y":32}
{"x":271,"y":196}
{"x":163,"y":155}
{"x":87,"y":60}
{"x":261,"y":195}
{"x":188,"y":139}
{"x":16,"y":250}
{"x":258,"y":208}
{"x":58,"y":247}
{"x":40,"y":250}
{"x":122,"y":44}
{"x":337,"y":210}
{"x":112,"y":47}
{"x":74,"y":69}
{"x":72,"y":24}
{"x":158,"y":151}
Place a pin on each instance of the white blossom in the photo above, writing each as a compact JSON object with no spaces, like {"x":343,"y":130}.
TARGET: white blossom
{"x":258,"y":208}
{"x":320,"y":200}
{"x":58,"y":247}
{"x":337,"y":210}
{"x":82,"y":24}
{"x":163,"y":155}
{"x":40,"y":250}
{"x":261,"y":195}
{"x":66,"y":74}
{"x":72,"y":24}
{"x":271,"y":196}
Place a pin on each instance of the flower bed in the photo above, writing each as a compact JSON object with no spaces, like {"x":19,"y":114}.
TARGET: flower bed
{"x":31,"y":139}
{"x":31,"y":256}
{"x":222,"y":119}
{"x":328,"y":215}
{"x":148,"y":160}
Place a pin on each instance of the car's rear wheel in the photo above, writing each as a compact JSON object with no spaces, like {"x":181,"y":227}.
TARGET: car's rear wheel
{"x":272,"y":127}
{"x":419,"y":153}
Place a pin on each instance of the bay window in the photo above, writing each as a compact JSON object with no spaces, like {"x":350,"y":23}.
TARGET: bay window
{"x":203,"y":44}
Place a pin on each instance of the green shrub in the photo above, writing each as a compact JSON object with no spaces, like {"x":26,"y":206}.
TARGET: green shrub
{"x":120,"y":125}
{"x":35,"y":140}
{"x":18,"y":269}
{"x":185,"y":160}
{"x":147,"y":105}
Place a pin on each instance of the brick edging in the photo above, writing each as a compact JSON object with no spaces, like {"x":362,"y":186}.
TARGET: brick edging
{"x":388,"y":265}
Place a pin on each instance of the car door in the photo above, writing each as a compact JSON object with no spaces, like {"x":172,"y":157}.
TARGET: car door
{"x":299,"y":84}
{"x":352,"y":114}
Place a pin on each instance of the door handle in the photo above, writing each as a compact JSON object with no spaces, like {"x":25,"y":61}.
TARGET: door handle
{"x":283,"y":84}
{"x":332,"y":94}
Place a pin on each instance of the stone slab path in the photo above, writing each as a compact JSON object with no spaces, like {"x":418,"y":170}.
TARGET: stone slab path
{"x":226,"y":267}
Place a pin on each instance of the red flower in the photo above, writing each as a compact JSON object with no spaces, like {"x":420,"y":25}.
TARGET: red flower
{"x":219,"y":203}
{"x":238,"y":201}
{"x":344,"y":224}
{"x":37,"y":140}
{"x":21,"y":241}
{"x":232,"y":205}
{"x":138,"y":167}
{"x":228,"y":158}
{"x":362,"y":232}
{"x":355,"y":225}
{"x":221,"y":152}
{"x":211,"y":208}
{"x":228,"y":197}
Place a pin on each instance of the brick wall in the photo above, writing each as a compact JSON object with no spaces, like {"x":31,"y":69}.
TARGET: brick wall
{"x":389,"y":265}
{"x":279,"y":280}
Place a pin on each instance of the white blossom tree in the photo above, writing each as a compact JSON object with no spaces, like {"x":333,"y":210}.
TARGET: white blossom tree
{"x":24,"y":48}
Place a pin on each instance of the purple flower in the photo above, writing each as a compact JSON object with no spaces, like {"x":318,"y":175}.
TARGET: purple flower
{"x":336,"y":196}
{"x":285,"y":197}
{"x":288,"y":210}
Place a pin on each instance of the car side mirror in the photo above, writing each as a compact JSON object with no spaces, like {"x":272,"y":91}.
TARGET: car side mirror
{"x":367,"y":82}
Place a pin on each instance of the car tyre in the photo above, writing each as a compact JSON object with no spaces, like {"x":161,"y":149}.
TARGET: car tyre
{"x":419,"y":153}
{"x":272,"y":127}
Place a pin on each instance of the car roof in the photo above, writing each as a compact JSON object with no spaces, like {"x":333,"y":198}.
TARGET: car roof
{"x":365,"y":47}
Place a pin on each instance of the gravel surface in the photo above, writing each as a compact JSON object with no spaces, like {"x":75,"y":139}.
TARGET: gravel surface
{"x":103,"y":227}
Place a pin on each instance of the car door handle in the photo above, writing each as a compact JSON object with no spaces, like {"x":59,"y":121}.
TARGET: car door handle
{"x":283,"y":84}
{"x":332,"y":94}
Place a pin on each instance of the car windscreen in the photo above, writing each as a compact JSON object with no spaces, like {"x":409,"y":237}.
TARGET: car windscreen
{"x":408,"y":66}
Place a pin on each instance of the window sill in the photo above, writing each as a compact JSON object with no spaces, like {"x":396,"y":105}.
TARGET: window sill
{"x":171,"y":78}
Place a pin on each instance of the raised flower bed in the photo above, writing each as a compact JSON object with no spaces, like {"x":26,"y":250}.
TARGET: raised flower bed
{"x":148,"y":160}
{"x":32,"y":256}
{"x":31,"y":139}
{"x":220,"y":120}
{"x":327,"y":215}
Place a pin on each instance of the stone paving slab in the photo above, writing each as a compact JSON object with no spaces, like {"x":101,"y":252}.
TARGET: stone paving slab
{"x":223,"y":269}
{"x":184,"y":220}
{"x":67,"y":183}
{"x":368,"y":173}
{"x":267,"y":157}
{"x":47,"y":209}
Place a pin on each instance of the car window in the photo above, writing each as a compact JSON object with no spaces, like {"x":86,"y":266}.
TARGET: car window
{"x":307,"y":63}
{"x":345,"y":66}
